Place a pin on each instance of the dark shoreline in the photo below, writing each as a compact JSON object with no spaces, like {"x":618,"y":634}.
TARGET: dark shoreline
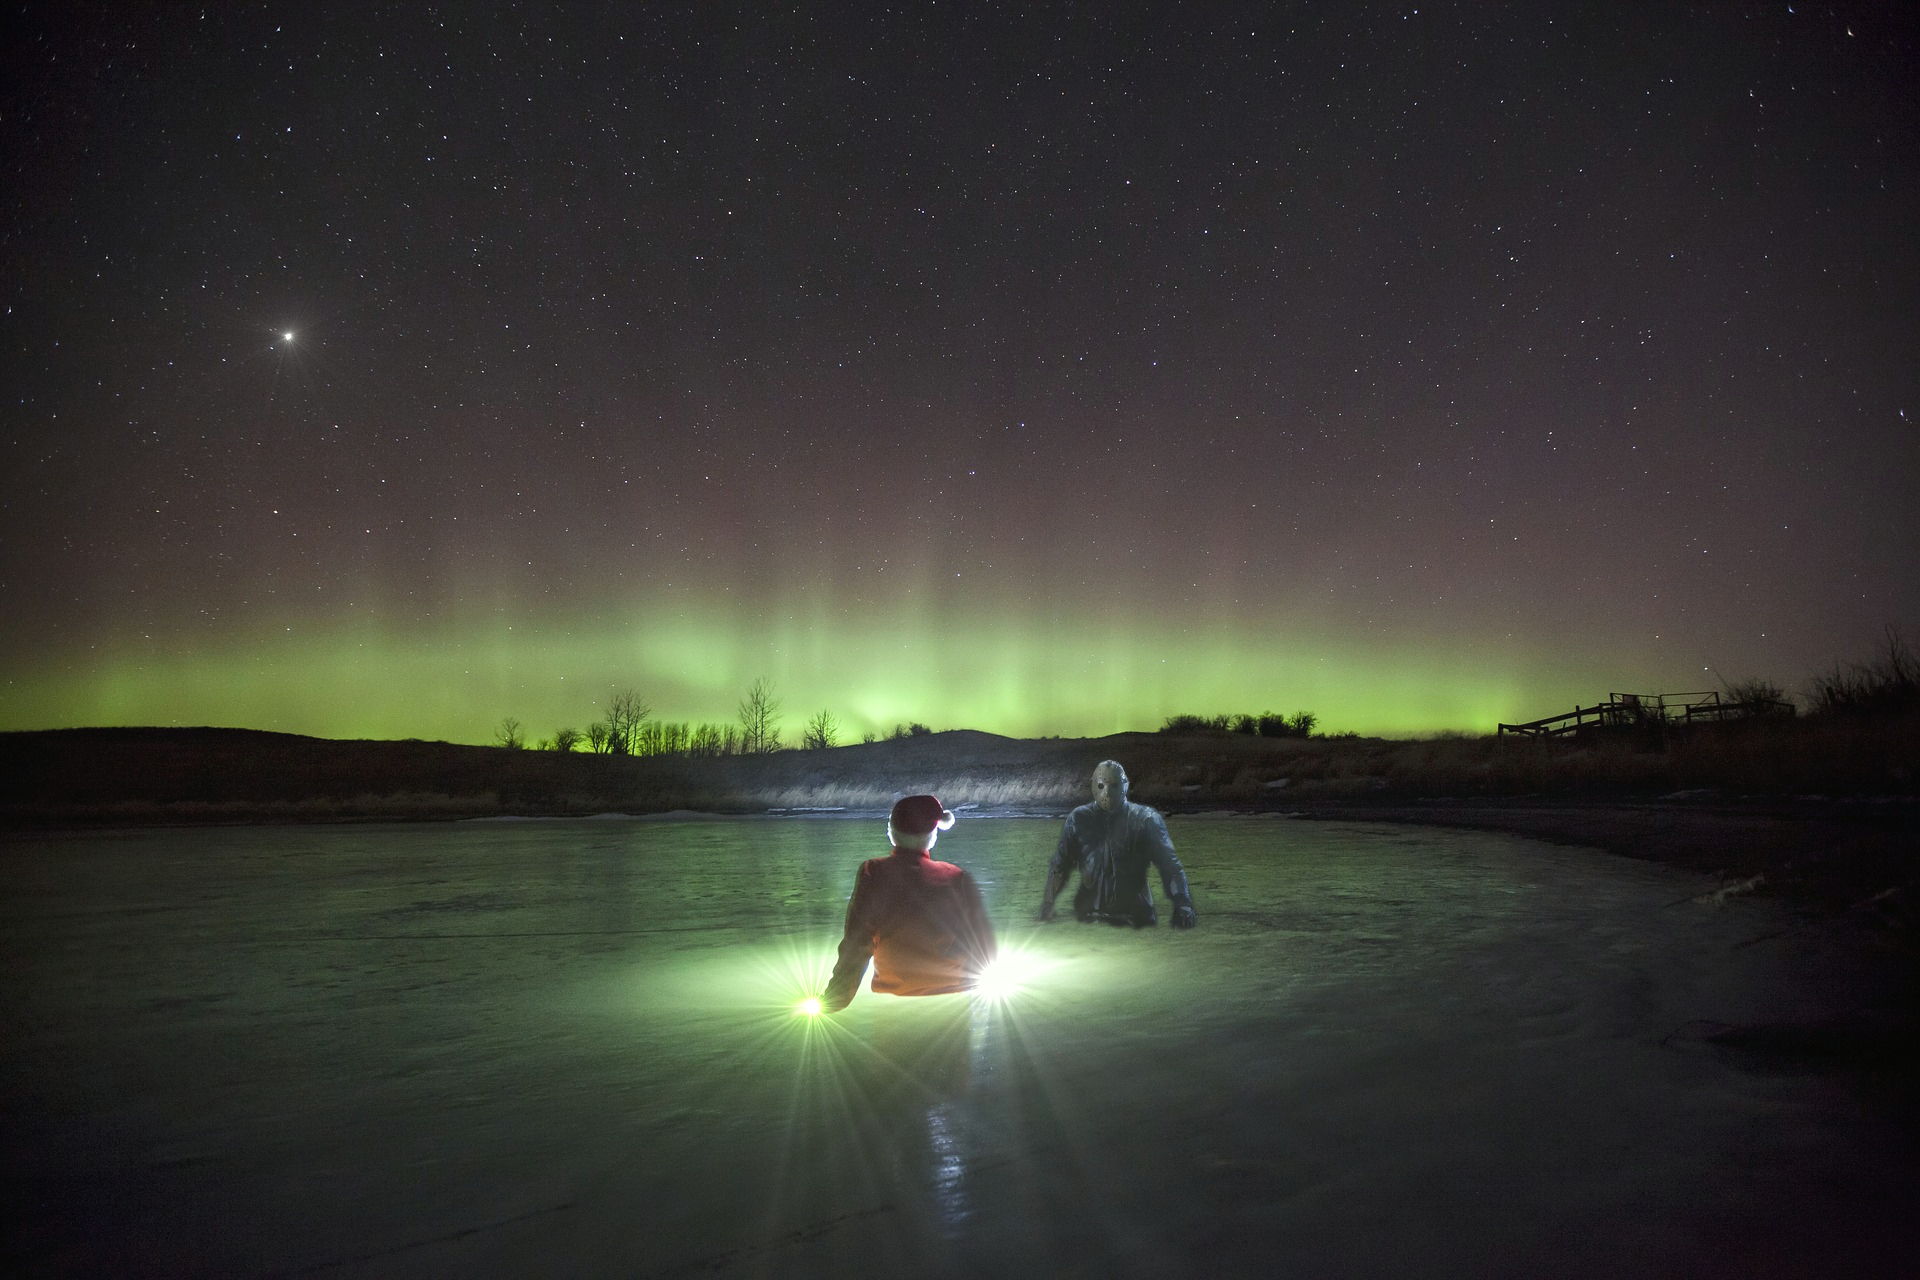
{"x":1731,"y":804}
{"x":1834,"y":859}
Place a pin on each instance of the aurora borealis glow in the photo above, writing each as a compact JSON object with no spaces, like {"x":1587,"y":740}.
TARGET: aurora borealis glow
{"x":384,"y":373}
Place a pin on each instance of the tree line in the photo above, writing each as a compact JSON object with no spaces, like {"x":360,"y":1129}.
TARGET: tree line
{"x":1268,"y":724}
{"x":630,"y":728}
{"x":1886,"y":684}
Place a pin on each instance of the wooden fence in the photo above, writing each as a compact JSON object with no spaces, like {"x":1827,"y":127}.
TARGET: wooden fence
{"x":1647,"y":711}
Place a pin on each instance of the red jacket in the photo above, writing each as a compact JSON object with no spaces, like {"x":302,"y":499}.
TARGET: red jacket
{"x":923,"y":923}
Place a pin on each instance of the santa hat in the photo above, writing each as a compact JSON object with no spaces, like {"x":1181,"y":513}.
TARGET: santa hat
{"x":914,"y":820}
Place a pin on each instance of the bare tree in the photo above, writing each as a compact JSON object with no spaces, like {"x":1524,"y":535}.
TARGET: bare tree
{"x":626,"y":712}
{"x":822,"y":731}
{"x":509,"y":735}
{"x":597,"y":738}
{"x":759,"y":719}
{"x":566,"y":739}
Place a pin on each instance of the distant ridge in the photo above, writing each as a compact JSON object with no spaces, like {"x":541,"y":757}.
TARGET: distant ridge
{"x":154,"y":774}
{"x":212,"y":774}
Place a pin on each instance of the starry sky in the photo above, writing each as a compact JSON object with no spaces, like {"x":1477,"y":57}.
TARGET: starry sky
{"x":385,"y":370}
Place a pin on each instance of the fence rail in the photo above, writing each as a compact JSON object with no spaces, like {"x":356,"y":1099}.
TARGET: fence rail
{"x":1646,"y":710}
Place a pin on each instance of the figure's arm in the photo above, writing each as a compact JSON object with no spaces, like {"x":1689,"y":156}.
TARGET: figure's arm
{"x":856,"y":948}
{"x":1065,"y":858}
{"x":1173,"y":877}
{"x":981,"y":946}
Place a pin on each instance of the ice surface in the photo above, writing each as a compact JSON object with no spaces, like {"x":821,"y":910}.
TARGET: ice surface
{"x":572,"y":1048}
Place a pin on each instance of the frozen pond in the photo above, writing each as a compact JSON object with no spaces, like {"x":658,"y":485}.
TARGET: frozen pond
{"x":569,"y":1049}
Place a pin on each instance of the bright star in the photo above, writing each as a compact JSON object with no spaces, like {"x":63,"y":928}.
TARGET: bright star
{"x":288,"y":336}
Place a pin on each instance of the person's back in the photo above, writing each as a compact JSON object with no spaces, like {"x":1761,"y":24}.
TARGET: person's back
{"x":923,"y":923}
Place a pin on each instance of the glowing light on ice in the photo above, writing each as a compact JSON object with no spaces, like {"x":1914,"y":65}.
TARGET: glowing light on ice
{"x":1007,"y":976}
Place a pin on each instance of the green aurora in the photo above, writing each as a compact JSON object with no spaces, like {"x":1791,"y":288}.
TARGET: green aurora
{"x":1020,"y":676}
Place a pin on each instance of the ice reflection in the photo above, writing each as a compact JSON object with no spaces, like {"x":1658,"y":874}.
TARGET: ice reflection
{"x":947,"y":1124}
{"x":947,"y":1168}
{"x":914,"y":1087}
{"x":896,"y":1080}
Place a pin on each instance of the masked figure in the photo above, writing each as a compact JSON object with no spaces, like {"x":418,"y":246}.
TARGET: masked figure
{"x":1110,"y":842}
{"x":922,"y":923}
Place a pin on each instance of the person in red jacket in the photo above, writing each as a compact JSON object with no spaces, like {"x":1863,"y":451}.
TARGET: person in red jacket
{"x":923,"y":923}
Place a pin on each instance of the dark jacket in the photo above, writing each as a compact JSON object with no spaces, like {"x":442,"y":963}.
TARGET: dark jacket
{"x":1111,"y":851}
{"x":923,"y":923}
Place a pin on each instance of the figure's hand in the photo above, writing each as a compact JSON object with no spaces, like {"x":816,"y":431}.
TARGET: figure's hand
{"x":1183,"y":917}
{"x":1046,"y":913}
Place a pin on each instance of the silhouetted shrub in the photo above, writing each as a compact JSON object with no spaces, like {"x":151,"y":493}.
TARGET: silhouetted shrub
{"x":627,"y":711}
{"x":662,"y":738}
{"x":821,"y":732}
{"x":1887,"y":684}
{"x":713,"y":740}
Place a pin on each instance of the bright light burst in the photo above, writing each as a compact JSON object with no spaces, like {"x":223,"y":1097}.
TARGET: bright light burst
{"x":790,"y":978}
{"x":1008,"y":975}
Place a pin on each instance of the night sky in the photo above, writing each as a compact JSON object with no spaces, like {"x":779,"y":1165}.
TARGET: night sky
{"x":387,"y":370}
